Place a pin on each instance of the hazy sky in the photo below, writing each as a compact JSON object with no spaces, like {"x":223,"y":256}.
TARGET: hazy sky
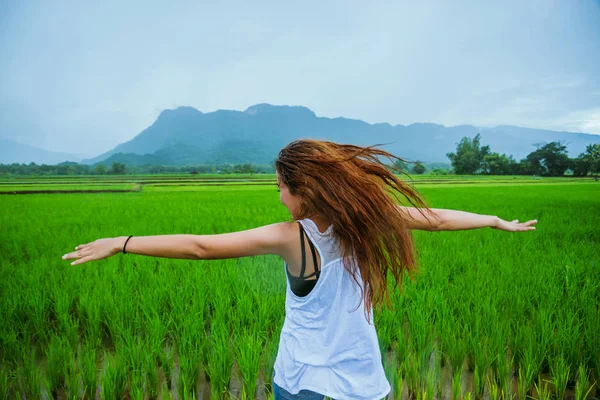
{"x":82,"y":78}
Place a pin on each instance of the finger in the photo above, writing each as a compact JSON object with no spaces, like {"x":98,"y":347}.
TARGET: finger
{"x":81,"y":260}
{"x":75,"y":254}
{"x":81,"y":246}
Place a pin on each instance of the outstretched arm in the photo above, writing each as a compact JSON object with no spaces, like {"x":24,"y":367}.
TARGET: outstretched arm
{"x":268,"y":239}
{"x":453,"y":220}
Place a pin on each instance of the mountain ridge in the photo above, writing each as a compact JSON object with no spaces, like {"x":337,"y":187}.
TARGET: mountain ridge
{"x":12,"y":151}
{"x":255,"y":135}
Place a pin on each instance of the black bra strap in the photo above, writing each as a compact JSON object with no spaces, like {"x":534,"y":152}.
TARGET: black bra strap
{"x":314,"y":255}
{"x":302,"y":249}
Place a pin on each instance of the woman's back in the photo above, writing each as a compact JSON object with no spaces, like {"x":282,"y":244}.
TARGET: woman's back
{"x":326,"y":343}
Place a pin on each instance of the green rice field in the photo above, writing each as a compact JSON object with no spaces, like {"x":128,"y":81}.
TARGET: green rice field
{"x":491,"y":314}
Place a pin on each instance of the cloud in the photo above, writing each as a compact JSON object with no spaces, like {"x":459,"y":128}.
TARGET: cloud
{"x":84,"y":70}
{"x":584,"y":121}
{"x":567,"y":103}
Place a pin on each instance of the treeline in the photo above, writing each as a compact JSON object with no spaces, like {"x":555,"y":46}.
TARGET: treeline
{"x":551,"y":159}
{"x":117,"y":168}
{"x":470,"y":158}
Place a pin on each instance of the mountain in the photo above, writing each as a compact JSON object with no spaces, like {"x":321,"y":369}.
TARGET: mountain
{"x":223,"y":136}
{"x":186,"y":135}
{"x":15,"y":152}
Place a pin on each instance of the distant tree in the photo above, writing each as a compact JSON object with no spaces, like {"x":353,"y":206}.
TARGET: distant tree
{"x":100,"y":169}
{"x":469,"y":155}
{"x":33,"y":169}
{"x":418,"y":168}
{"x":514,"y":167}
{"x":439,"y":171}
{"x":555,"y":158}
{"x":587,"y":162}
{"x":401,"y":165}
{"x":495,"y":164}
{"x":531,"y":165}
{"x":243,"y":169}
{"x":592,"y":152}
{"x":579,"y":166}
{"x":117,"y":168}
{"x":548,"y":160}
{"x":61,"y":169}
{"x":248,"y":169}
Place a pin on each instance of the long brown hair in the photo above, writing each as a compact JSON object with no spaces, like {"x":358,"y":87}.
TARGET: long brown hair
{"x":352,"y":188}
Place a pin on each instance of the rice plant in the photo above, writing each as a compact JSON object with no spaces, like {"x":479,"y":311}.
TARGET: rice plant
{"x":114,"y":377}
{"x":248,"y":353}
{"x":582,"y":386}
{"x":560,"y":376}
{"x":88,"y":369}
{"x":58,"y":355}
{"x":505,"y":306}
{"x":543,"y":390}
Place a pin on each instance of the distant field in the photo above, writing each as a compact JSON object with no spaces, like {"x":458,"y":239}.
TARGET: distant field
{"x":162,"y":183}
{"x":492,"y":314}
{"x":7,"y":189}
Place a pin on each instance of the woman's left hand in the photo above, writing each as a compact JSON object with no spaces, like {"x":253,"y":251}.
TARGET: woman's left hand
{"x":96,"y":250}
{"x":515,"y":226}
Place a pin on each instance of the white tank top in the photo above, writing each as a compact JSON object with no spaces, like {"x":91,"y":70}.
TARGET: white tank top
{"x":326,"y":344}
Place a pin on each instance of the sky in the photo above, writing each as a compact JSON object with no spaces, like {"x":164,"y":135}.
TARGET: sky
{"x":83,"y":77}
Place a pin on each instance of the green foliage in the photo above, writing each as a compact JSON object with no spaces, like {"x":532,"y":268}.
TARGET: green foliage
{"x":100,"y":169}
{"x":587,"y":162}
{"x":439,"y":171}
{"x":124,"y":167}
{"x":470,"y":158}
{"x":418,"y":168}
{"x":548,"y":160}
{"x":469,"y":155}
{"x":57,"y":355}
{"x":114,"y":377}
{"x":243,"y":169}
{"x":117,"y":168}
{"x":401,"y":165}
{"x":248,"y":352}
{"x":510,"y":305}
{"x":496,"y":164}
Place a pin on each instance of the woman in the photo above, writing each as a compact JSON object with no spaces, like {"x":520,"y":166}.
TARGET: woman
{"x":349,"y":234}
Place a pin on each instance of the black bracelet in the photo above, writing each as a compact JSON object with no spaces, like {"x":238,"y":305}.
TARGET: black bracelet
{"x":124,"y":252}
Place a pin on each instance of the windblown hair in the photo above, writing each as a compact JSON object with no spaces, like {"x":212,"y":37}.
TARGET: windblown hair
{"x":352,"y":188}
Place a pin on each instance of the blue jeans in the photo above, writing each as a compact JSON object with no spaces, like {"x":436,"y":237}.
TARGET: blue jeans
{"x":282,"y":394}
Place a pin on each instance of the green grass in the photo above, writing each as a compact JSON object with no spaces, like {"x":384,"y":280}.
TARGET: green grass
{"x":488,"y":306}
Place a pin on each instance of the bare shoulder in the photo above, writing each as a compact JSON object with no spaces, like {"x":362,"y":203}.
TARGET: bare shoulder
{"x":281,"y":232}
{"x":288,"y":233}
